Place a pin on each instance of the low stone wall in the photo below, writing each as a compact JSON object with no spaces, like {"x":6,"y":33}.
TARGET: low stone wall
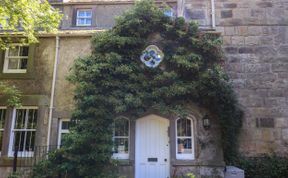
{"x":5,"y":172}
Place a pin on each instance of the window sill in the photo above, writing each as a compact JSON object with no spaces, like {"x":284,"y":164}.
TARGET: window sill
{"x":83,"y":25}
{"x":16,"y":76}
{"x":123,"y":162}
{"x":15,"y":71}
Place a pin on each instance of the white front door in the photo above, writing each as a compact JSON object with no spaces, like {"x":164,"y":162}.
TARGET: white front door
{"x":152,"y":147}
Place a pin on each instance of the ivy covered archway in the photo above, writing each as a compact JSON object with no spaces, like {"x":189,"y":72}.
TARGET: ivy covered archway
{"x":114,"y":81}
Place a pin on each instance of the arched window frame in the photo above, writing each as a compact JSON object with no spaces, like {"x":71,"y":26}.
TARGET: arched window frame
{"x":185,"y":156}
{"x":121,"y":155}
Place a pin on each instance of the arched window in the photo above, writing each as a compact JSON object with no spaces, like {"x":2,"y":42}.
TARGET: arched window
{"x":121,"y":141}
{"x":184,"y":139}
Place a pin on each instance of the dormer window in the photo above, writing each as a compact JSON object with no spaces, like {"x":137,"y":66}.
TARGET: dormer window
{"x":16,"y":59}
{"x":84,"y":17}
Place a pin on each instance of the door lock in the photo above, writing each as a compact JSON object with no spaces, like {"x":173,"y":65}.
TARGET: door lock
{"x":165,"y":160}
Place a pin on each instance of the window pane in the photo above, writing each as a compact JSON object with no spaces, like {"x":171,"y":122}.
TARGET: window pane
{"x":81,"y":13}
{"x":121,"y":127}
{"x":24,"y":50}
{"x":2,"y":118}
{"x":65,"y":125}
{"x":81,"y":21}
{"x":2,"y":122}
{"x":19,"y":139}
{"x":24,"y":140}
{"x":121,"y":145}
{"x":20,"y":119}
{"x":88,"y":22}
{"x":184,"y":145}
{"x":88,"y":13}
{"x":84,"y":13}
{"x":13,"y":63}
{"x":32,"y":121}
{"x":62,"y":142}
{"x":184,"y":127}
{"x":1,"y":138}
{"x":23,"y":63}
{"x":13,"y":51}
{"x":30,"y":140}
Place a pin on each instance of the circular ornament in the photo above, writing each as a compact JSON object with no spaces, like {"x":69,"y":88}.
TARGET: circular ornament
{"x":152,"y":56}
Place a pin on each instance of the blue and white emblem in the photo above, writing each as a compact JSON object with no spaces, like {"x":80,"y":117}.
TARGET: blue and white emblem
{"x":152,"y":56}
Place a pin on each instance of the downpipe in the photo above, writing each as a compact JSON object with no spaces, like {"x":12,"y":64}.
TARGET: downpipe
{"x":51,"y":107}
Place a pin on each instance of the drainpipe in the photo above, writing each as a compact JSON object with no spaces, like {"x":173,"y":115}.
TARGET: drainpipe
{"x":213,"y":14}
{"x":180,"y":8}
{"x":53,"y":90}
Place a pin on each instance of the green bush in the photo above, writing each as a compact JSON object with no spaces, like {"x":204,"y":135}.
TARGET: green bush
{"x":264,"y":166}
{"x":14,"y":175}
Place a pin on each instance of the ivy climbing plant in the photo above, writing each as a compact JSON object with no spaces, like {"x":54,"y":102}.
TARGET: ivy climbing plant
{"x":113,"y":81}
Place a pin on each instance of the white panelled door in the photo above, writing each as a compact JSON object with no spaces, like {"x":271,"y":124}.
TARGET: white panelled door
{"x":152,"y":147}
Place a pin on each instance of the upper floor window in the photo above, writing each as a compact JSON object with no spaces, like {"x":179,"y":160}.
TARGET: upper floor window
{"x":16,"y":59}
{"x":23,"y":131}
{"x":64,"y":125}
{"x":121,"y":138}
{"x":184,"y":139}
{"x":169,"y":12}
{"x":84,"y":17}
{"x":2,"y":124}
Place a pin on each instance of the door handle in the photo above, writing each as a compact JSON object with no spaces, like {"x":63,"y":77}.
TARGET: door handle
{"x":165,"y":160}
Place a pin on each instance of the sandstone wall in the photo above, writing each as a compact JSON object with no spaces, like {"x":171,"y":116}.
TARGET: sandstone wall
{"x":70,"y":49}
{"x":255,"y":37}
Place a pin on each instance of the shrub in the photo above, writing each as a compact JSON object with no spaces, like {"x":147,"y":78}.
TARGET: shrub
{"x":14,"y":175}
{"x":264,"y":166}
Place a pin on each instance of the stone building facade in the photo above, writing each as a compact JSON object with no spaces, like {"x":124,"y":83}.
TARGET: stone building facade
{"x":255,"y":37}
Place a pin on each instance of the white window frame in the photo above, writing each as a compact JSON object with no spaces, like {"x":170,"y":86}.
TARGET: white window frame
{"x":62,"y":131}
{"x":83,"y":17}
{"x":11,"y":141}
{"x":2,"y":129}
{"x":122,"y":155}
{"x":7,"y":58}
{"x":186,"y":156}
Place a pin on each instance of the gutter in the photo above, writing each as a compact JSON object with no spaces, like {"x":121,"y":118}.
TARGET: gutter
{"x":107,"y":2}
{"x":60,"y":33}
{"x":51,"y":107}
{"x":180,"y":8}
